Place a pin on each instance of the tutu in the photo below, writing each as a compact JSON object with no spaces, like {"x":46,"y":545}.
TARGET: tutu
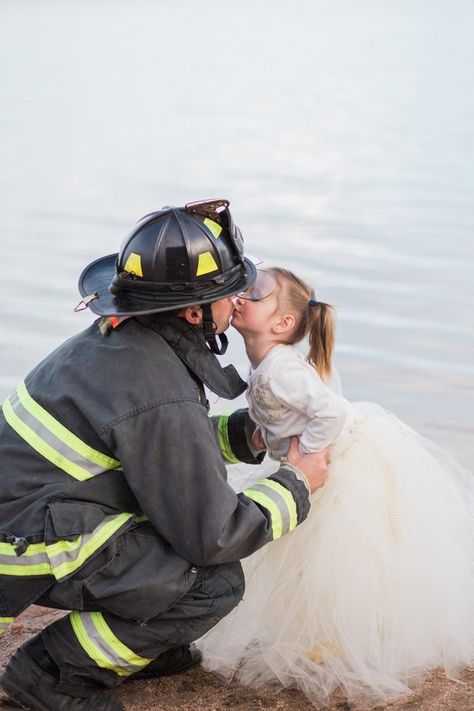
{"x":375,"y":588}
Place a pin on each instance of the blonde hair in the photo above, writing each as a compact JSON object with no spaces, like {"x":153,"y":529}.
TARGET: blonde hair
{"x":315,"y":320}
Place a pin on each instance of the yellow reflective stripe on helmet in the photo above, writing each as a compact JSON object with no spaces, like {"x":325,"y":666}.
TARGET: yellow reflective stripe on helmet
{"x":213,"y":227}
{"x":52,"y":440}
{"x":206,"y":264}
{"x":279,"y":503}
{"x":5,"y":622}
{"x":67,"y":556}
{"x":102,"y":646}
{"x":223,"y":438}
{"x":63,"y":433}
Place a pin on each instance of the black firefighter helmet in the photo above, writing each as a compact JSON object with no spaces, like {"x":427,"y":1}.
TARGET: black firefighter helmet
{"x":173,"y":258}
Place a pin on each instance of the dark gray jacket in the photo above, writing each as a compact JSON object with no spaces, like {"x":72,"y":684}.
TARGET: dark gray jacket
{"x":109,"y":430}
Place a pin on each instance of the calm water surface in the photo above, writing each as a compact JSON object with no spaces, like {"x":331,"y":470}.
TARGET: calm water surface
{"x":341,"y":132}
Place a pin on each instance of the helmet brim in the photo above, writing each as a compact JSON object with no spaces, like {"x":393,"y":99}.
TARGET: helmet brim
{"x":95,"y":280}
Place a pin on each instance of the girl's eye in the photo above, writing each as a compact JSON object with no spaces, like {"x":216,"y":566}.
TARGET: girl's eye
{"x":265,"y":284}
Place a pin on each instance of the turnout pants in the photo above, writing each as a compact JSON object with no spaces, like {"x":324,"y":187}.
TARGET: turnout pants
{"x":124,"y":614}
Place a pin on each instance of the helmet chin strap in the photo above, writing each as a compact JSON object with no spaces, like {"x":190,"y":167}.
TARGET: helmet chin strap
{"x":210,"y":332}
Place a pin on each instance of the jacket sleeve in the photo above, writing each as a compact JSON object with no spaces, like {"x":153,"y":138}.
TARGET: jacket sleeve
{"x":233,"y":431}
{"x":173,"y":465}
{"x":297,"y":386}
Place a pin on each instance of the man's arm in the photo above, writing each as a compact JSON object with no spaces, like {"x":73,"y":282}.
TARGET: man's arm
{"x":234,"y":431}
{"x":173,"y":466}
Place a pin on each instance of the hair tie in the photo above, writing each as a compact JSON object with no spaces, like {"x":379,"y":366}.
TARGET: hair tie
{"x":312,"y":302}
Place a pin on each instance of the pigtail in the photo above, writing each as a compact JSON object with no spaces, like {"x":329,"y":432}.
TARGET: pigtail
{"x":314,"y":319}
{"x":321,"y":337}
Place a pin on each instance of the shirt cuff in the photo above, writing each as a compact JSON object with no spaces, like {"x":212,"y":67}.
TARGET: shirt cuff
{"x":297,"y":472}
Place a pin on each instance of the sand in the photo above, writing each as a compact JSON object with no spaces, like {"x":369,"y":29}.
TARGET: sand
{"x":197,"y":690}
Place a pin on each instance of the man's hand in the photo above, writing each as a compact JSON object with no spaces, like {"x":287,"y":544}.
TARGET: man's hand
{"x":314,"y":466}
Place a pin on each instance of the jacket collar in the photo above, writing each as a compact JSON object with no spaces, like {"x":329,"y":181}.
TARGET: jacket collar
{"x":189,"y":344}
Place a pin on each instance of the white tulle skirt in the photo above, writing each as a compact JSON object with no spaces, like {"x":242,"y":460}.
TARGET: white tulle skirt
{"x":375,"y":588}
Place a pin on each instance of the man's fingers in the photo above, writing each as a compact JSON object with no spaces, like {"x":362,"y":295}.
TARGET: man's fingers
{"x":293,"y":448}
{"x":312,"y":465}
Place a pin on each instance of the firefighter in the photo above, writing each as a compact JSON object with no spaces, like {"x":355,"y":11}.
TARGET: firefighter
{"x":114,"y":503}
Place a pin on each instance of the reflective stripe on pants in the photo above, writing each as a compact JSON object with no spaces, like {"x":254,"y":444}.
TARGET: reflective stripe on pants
{"x":102,"y":646}
{"x":5,"y":623}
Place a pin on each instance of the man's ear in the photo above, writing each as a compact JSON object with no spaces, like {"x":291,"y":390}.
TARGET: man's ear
{"x":193,"y":315}
{"x":286,"y":323}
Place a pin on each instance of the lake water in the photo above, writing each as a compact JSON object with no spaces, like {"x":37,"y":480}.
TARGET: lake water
{"x":341,"y":132}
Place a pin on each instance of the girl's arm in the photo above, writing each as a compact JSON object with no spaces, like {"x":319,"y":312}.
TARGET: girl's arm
{"x":322,"y":413}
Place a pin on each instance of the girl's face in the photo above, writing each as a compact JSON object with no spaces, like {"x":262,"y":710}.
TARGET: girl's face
{"x":256,"y":310}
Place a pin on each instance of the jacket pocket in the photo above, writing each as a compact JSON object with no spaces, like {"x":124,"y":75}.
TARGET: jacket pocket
{"x":75,"y":532}
{"x":68,"y":519}
{"x":144,"y":579}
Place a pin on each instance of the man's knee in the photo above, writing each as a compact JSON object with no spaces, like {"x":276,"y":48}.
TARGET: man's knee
{"x":225,"y":586}
{"x":217,"y":590}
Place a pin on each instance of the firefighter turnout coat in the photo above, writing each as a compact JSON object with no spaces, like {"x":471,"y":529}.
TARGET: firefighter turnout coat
{"x":111,"y":431}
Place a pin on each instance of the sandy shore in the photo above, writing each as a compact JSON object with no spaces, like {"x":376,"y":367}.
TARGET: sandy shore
{"x":197,"y":690}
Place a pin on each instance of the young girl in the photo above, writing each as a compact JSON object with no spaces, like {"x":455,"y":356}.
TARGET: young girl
{"x":377,"y":586}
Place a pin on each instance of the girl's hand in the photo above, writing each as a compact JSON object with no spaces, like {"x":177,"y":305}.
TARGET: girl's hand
{"x":258,"y":443}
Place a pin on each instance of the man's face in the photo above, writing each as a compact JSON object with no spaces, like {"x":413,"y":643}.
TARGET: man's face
{"x":221,"y":312}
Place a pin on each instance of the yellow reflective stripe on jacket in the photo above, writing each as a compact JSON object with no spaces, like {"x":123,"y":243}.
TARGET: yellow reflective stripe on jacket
{"x":287,"y":497}
{"x":62,"y":558}
{"x":34,"y":561}
{"x":279,"y":503}
{"x":62,"y":433}
{"x":41,"y":446}
{"x":5,"y":622}
{"x":102,"y":646}
{"x":52,"y":440}
{"x":67,"y":556}
{"x":223,"y":438}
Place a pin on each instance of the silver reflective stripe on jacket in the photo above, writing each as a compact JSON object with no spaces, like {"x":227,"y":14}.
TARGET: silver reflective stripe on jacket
{"x":34,"y":561}
{"x":278,"y":502}
{"x":52,"y":440}
{"x":62,"y":558}
{"x":68,"y":556}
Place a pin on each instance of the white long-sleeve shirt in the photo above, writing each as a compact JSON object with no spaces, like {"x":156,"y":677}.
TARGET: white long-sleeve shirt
{"x":286,"y":396}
